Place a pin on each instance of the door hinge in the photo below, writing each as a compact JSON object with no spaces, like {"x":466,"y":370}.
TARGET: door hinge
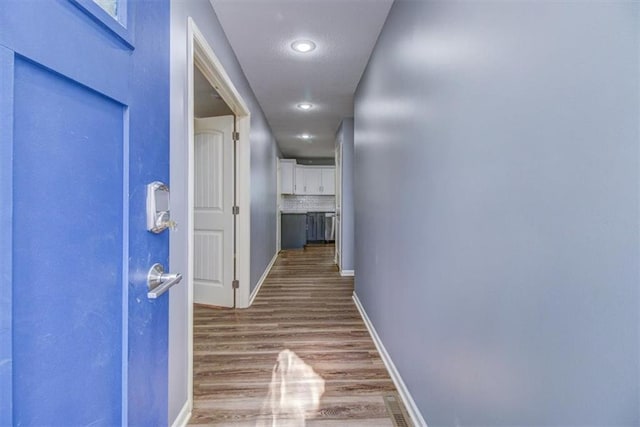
{"x":235,"y":284}
{"x":236,"y":210}
{"x":236,"y":136}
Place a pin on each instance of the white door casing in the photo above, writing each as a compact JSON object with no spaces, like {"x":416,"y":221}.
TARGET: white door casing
{"x":213,"y":211}
{"x":279,"y":189}
{"x":197,"y":51}
{"x":338,"y":214}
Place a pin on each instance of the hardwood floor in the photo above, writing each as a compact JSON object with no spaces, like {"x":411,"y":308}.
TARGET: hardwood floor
{"x":242,"y":376}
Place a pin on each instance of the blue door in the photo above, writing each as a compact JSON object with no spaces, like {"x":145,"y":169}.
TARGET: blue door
{"x":83,"y":128}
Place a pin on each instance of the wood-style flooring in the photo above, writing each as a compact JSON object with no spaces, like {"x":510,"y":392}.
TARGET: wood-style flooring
{"x":304,"y":306}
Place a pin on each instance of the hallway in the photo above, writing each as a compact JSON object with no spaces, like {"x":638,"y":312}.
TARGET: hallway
{"x":304,"y":306}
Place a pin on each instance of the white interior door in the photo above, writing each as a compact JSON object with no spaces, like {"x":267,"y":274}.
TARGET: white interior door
{"x":213,"y":211}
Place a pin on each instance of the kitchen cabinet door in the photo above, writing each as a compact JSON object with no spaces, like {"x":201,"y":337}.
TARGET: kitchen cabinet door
{"x":298,"y":184}
{"x":313,"y":180}
{"x":328,"y":181}
{"x":311,"y":227}
{"x":319,"y":226}
{"x":294,"y":231}
{"x":287,"y":176}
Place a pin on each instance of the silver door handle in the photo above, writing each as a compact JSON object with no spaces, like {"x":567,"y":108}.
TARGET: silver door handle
{"x":159,"y":282}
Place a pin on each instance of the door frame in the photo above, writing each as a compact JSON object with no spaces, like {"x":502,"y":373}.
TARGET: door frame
{"x":338,"y":198}
{"x":278,"y":205}
{"x":199,"y":52}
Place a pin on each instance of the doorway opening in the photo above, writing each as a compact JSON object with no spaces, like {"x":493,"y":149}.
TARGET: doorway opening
{"x":214,"y":197}
{"x":217,"y":168}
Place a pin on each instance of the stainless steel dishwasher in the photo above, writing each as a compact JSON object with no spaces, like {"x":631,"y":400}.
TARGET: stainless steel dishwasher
{"x":329,"y":227}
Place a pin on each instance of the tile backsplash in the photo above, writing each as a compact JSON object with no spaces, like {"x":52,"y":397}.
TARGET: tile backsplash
{"x":308,"y":203}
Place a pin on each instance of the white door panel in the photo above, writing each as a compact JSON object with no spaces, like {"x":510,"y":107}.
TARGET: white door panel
{"x":213,"y":214}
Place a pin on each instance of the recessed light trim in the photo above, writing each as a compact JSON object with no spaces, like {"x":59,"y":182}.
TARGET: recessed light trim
{"x":303,"y":46}
{"x":306,"y":106}
{"x":305,"y":136}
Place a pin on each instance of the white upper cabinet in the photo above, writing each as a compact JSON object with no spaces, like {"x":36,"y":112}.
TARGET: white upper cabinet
{"x":312,"y":180}
{"x":328,"y":181}
{"x":315,"y":180}
{"x":298,"y":187}
{"x":287,"y":176}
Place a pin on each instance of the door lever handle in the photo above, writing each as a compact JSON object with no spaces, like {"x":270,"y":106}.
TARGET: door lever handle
{"x":159,"y":282}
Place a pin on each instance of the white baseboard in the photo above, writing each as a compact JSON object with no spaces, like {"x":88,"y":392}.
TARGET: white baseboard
{"x":346,"y":273}
{"x":254,"y":294}
{"x":183,"y":417}
{"x":413,"y":410}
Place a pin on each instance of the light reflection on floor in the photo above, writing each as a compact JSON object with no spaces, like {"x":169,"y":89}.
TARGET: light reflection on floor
{"x":294,"y":393}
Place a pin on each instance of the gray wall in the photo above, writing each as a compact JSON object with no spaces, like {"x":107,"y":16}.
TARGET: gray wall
{"x":496,"y":159}
{"x":264,"y":166}
{"x":263,"y":178}
{"x":344,"y":139}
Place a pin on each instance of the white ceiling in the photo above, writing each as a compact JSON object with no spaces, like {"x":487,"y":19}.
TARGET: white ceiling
{"x":206,"y":101}
{"x":261,"y":33}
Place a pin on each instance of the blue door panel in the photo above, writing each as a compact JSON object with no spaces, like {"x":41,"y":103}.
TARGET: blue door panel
{"x":83,"y":128}
{"x":67,"y":311}
{"x":149,"y":159}
{"x":60,"y":35}
{"x":6,"y":243}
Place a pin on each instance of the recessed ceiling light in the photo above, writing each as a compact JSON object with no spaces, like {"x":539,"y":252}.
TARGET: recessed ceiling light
{"x":305,"y":106}
{"x":305,"y":136}
{"x":303,"y":46}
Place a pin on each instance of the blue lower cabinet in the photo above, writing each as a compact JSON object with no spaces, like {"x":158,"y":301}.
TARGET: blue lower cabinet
{"x":300,"y":228}
{"x":315,"y":226}
{"x":294,"y":231}
{"x":311,"y":227}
